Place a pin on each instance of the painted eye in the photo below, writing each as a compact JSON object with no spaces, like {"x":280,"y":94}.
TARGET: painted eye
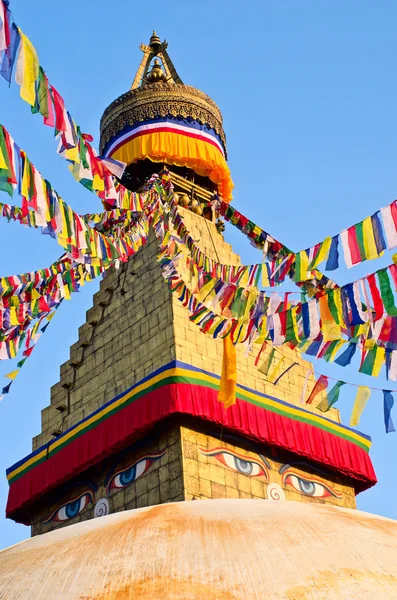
{"x":71,"y":509}
{"x":309,"y":487}
{"x":236,"y":462}
{"x":126,"y":476}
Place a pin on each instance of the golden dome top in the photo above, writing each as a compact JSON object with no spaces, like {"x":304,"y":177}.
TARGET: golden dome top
{"x":158,"y":91}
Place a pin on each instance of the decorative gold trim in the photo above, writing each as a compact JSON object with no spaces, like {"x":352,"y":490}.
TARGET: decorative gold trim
{"x":160,"y":100}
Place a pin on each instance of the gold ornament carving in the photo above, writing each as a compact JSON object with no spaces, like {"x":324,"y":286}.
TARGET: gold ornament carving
{"x":160,"y":100}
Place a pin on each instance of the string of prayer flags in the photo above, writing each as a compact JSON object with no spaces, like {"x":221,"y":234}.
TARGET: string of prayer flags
{"x":388,"y":403}
{"x":227,"y":386}
{"x":366,"y":240}
{"x":362,"y":397}
{"x":94,"y":172}
{"x":284,"y":373}
{"x":52,"y":213}
{"x":320,"y":386}
{"x":331,"y":398}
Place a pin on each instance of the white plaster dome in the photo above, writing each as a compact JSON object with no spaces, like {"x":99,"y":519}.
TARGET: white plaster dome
{"x":214,"y":549}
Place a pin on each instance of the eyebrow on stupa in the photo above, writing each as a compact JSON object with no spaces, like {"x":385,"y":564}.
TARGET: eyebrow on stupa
{"x":264,"y":459}
{"x":283,"y":468}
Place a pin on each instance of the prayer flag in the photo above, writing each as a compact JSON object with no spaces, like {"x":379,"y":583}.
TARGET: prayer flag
{"x":27,"y":69}
{"x":386,"y":292}
{"x":378,"y":233}
{"x":373,"y":361}
{"x":268,"y":362}
{"x":6,"y":389}
{"x":116,"y":167}
{"x":333,"y":257}
{"x":227,"y":386}
{"x":10,"y":54}
{"x":320,"y":386}
{"x":389,"y":224}
{"x":363,"y":394}
{"x":273,"y":375}
{"x":331,"y":331}
{"x":12,"y":375}
{"x":301,"y":266}
{"x":331,"y":397}
{"x":322,"y":254}
{"x":4,"y":27}
{"x":388,"y":402}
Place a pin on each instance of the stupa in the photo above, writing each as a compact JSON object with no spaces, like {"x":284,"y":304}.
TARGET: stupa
{"x":135,"y":426}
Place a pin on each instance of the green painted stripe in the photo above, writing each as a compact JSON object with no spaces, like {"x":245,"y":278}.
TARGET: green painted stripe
{"x":192,"y":381}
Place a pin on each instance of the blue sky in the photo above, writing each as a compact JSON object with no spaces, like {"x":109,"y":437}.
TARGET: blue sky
{"x":307,"y":90}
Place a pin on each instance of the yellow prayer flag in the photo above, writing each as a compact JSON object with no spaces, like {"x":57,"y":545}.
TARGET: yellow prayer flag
{"x":273,"y":375}
{"x":331,"y":331}
{"x":227,"y":386}
{"x":27,"y":69}
{"x":71,"y":154}
{"x":12,"y":375}
{"x":371,"y":250}
{"x":363,"y":394}
{"x":334,"y":352}
{"x":323,"y":253}
{"x":3,"y":164}
{"x":265,"y":277}
{"x":50,"y":316}
{"x":13,"y":316}
{"x":244,"y":278}
{"x":379,"y":361}
{"x":98,"y":183}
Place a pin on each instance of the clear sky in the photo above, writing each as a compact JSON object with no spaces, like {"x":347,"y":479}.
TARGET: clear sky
{"x":308,"y":93}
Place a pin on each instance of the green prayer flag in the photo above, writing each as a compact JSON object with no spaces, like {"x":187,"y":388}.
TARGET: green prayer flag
{"x":332,"y":306}
{"x":239,"y":304}
{"x":386,"y":292}
{"x":360,"y":240}
{"x":268,"y":362}
{"x":368,"y":365}
{"x":331,"y":397}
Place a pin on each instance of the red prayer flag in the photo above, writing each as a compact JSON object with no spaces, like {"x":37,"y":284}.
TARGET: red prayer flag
{"x":353,"y":245}
{"x":376,"y":297}
{"x":59,"y":106}
{"x":49,"y":119}
{"x":393,"y":210}
{"x":320,"y":386}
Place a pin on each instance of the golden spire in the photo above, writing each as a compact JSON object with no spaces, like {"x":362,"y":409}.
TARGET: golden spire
{"x":156,"y":48}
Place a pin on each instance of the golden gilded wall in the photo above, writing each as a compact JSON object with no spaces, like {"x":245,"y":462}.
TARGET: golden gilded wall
{"x":228,"y":467}
{"x":176,"y":463}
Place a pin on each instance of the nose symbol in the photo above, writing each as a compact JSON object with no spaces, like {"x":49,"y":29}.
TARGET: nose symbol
{"x":275,"y":492}
{"x":101,"y":508}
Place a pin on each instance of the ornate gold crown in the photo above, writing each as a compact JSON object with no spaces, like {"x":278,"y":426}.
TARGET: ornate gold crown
{"x":159,"y":93}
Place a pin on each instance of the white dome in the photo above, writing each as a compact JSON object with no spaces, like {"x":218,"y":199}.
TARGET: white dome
{"x":215,"y":549}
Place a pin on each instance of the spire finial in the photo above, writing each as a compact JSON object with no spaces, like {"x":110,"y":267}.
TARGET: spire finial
{"x":155,"y":42}
{"x":156,"y":48}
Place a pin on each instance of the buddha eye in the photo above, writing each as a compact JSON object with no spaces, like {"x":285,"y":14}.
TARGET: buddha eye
{"x":237,"y":462}
{"x":308,"y":486}
{"x":128,"y":475}
{"x":71,"y":509}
